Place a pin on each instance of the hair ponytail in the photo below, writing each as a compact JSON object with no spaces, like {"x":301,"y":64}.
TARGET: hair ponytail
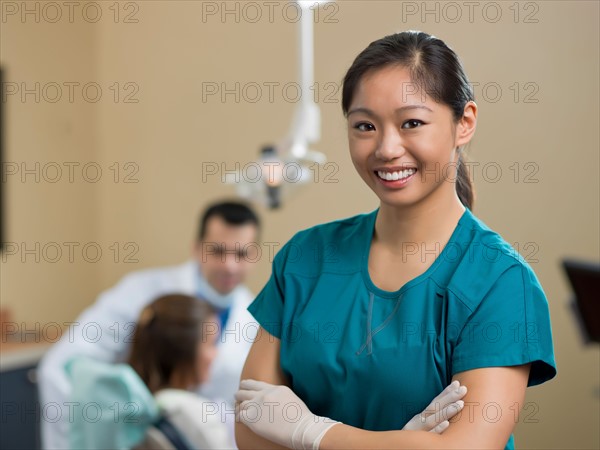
{"x":464,"y":187}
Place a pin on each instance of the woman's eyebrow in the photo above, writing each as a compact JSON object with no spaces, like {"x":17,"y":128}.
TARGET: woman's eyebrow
{"x":368,"y":112}
{"x":409,"y":107}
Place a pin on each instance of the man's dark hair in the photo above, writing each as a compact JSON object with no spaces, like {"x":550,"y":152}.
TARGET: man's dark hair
{"x":232,"y":212}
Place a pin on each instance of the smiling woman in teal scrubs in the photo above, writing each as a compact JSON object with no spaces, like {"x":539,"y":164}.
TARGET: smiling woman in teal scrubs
{"x":364,"y":320}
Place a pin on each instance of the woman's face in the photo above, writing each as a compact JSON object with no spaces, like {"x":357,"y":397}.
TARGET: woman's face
{"x":402,"y":142}
{"x":206,"y":349}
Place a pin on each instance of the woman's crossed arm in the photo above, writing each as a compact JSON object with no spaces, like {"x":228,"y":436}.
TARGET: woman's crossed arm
{"x":495,"y":396}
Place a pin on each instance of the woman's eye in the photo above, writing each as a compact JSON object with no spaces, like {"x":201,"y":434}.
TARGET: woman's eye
{"x":364,"y":126}
{"x":413,"y":123}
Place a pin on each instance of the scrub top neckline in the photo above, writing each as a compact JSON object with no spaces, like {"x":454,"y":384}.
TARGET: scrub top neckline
{"x":370,"y":225}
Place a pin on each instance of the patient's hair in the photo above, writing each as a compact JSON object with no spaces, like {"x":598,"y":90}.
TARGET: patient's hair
{"x":167,"y":336}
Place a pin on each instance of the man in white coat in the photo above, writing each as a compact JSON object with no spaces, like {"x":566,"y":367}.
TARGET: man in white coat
{"x":228,"y":231}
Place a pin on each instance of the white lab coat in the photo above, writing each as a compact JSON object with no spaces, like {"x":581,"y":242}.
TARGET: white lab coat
{"x":105,"y":331}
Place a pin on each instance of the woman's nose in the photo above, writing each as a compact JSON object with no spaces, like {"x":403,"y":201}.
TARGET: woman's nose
{"x":391,"y":146}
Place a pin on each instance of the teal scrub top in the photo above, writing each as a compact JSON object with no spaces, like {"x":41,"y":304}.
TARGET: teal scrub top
{"x":372,"y":358}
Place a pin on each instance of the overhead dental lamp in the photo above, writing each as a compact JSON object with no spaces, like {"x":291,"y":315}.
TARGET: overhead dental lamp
{"x":290,"y":163}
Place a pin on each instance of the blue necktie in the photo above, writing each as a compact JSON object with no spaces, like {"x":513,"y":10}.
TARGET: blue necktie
{"x":223,"y":316}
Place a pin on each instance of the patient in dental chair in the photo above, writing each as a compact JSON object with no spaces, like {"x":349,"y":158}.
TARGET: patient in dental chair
{"x":174,"y":345}
{"x":115,"y":405}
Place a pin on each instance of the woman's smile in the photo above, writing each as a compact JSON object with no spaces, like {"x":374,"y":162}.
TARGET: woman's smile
{"x":395,"y":177}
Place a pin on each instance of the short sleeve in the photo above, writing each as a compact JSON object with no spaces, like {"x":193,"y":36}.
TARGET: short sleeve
{"x":267,"y":307}
{"x":510,"y":326}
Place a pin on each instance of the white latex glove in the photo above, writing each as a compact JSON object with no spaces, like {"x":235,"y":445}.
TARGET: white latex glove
{"x":277,"y":414}
{"x":435,"y":417}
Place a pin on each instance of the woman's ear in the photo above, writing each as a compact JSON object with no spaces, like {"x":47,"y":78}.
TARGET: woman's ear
{"x":465,"y":128}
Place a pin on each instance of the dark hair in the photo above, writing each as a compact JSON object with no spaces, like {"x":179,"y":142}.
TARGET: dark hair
{"x":233,"y":212}
{"x":166,"y":338}
{"x":433,"y":67}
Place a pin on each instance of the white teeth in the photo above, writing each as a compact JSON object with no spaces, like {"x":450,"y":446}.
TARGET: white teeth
{"x":393,"y":176}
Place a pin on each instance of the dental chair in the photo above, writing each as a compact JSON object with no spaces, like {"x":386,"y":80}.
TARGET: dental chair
{"x":162,"y":435}
{"x":124,"y":412}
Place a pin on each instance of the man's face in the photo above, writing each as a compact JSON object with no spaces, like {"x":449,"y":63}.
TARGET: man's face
{"x":227,"y":253}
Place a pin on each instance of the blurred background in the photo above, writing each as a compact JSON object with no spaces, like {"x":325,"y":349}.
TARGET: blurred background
{"x":114,"y":111}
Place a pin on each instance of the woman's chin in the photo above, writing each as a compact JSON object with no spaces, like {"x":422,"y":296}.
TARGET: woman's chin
{"x":396,"y":199}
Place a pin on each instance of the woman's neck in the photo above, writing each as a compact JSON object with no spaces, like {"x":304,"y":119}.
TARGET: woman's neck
{"x":426,"y":222}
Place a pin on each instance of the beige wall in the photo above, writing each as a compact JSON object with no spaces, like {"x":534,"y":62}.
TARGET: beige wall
{"x":170,"y":132}
{"x":46,"y":213}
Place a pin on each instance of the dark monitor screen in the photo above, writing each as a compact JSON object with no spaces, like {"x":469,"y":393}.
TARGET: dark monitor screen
{"x":585,"y":281}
